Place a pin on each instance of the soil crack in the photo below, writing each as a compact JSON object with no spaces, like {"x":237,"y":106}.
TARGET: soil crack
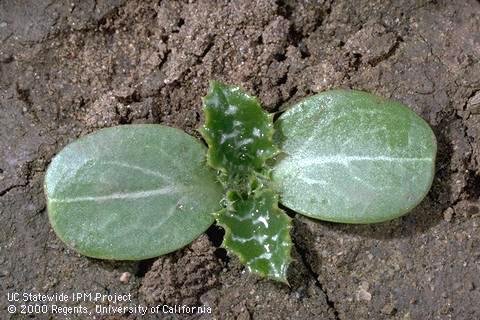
{"x":315,"y":276}
{"x":7,"y":190}
{"x":391,"y":52}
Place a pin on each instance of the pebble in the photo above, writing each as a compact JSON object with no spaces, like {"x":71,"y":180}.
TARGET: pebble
{"x":125,"y":277}
{"x":448,"y":214}
{"x":364,"y":295}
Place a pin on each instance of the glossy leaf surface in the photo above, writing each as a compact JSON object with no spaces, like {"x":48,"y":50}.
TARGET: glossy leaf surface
{"x":258,"y":232}
{"x":131,"y":192}
{"x":352,"y":157}
{"x":238,"y":132}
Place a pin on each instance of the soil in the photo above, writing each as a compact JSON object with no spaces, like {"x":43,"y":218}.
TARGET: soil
{"x":69,"y":68}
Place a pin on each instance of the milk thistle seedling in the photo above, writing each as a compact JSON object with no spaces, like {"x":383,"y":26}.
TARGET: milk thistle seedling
{"x":139,"y":191}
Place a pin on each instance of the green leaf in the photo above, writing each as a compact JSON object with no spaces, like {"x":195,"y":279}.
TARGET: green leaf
{"x":238,"y":132}
{"x":353,"y":157}
{"x":258,"y":232}
{"x":131,"y":192}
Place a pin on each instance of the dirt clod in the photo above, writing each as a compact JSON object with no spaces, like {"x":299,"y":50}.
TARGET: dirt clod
{"x":182,"y":277}
{"x":389,"y":309}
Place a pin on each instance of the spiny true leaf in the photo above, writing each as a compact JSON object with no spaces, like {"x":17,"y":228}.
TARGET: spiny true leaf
{"x":238,"y":132}
{"x":131,"y":192}
{"x":258,"y":232}
{"x":353,"y":157}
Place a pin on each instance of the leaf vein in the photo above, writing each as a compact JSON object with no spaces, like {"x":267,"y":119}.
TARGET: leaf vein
{"x":120,"y":195}
{"x":346,"y":160}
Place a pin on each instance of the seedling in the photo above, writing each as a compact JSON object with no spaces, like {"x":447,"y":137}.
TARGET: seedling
{"x":139,"y":191}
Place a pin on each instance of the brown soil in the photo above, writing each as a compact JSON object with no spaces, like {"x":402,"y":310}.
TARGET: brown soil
{"x":68,"y":68}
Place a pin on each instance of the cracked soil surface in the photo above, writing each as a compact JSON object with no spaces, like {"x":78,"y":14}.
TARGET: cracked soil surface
{"x":69,"y":68}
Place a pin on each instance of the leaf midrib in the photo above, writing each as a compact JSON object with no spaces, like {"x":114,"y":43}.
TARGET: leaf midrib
{"x":345,"y":160}
{"x":121,"y":195}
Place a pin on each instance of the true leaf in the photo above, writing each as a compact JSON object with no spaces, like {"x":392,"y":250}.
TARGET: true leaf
{"x":238,"y":132}
{"x":257,"y":231}
{"x":352,"y":157}
{"x":131,"y":192}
